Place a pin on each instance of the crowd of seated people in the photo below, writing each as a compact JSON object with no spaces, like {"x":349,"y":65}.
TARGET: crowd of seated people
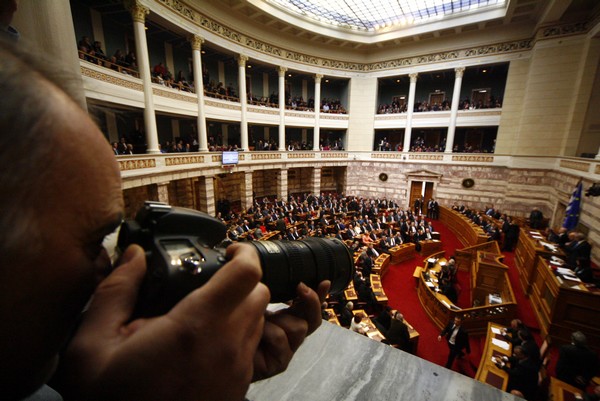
{"x":577,"y":250}
{"x":332,"y":106}
{"x":393,"y":108}
{"x":492,"y":103}
{"x":263,"y":100}
{"x":327,"y":144}
{"x":421,"y":106}
{"x":576,"y":364}
{"x":265,"y":145}
{"x":92,"y":51}
{"x":419,"y":146}
{"x":497,"y":225}
{"x":218,"y":90}
{"x":385,"y":146}
{"x":435,"y":106}
{"x":297,"y":145}
{"x":298,"y":103}
{"x":469,"y":148}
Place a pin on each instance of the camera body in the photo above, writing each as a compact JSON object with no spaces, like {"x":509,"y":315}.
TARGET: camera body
{"x":181,"y":256}
{"x":179,"y":253}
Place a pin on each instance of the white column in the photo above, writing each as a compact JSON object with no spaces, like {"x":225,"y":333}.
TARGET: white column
{"x":225,"y":134}
{"x":265,"y":80}
{"x":282,"y":183}
{"x":196,"y":42}
{"x":243,"y":101}
{"x":47,"y":28}
{"x":454,"y":110}
{"x":175,"y":129}
{"x":317,"y":131}
{"x":409,"y":111}
{"x":598,"y":155}
{"x":138,"y":12}
{"x":281,"y":71}
{"x":169,"y":62}
{"x":97,"y":27}
{"x":111,"y":126}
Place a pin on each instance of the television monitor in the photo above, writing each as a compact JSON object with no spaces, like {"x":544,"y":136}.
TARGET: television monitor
{"x":230,"y":158}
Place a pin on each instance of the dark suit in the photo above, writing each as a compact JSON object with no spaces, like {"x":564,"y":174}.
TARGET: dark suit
{"x":461,"y":342}
{"x":579,"y":250}
{"x":576,"y":365}
{"x":398,"y":334}
{"x":523,"y":376}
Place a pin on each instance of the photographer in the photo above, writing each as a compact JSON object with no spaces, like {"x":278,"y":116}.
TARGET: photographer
{"x":59,"y":202}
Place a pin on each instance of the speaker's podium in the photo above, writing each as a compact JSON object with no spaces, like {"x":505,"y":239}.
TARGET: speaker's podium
{"x":336,"y":364}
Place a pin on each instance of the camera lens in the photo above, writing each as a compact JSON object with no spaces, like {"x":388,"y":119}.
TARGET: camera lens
{"x":287,"y":263}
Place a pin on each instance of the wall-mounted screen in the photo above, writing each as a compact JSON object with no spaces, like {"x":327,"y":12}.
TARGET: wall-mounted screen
{"x":230,"y":158}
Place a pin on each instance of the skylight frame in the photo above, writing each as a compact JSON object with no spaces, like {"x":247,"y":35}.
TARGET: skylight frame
{"x":378,"y":15}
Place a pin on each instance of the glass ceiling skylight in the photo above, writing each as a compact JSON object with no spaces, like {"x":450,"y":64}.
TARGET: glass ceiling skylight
{"x":374,"y":15}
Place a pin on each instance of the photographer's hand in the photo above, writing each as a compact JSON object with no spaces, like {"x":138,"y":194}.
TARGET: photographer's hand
{"x":202,"y":349}
{"x":285,"y":331}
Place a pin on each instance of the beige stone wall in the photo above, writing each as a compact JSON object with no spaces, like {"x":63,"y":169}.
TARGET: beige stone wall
{"x":590,"y":136}
{"x":181,"y":193}
{"x":299,"y":180}
{"x":512,"y":107}
{"x":264,"y":182}
{"x":134,"y":199}
{"x":333,"y":179}
{"x":545,"y":99}
{"x":362,"y":108}
{"x":229,"y":186}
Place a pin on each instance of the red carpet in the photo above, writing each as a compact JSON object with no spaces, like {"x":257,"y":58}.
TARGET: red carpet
{"x":525,"y":310}
{"x":399,"y":286}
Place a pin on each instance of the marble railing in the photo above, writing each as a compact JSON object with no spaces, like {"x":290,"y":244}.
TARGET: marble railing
{"x":135,"y":165}
{"x":336,"y":364}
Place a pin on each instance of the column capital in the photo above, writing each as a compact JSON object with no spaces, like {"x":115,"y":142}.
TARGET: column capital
{"x":281,"y":71}
{"x":318,"y":78}
{"x":196,"y":41}
{"x":137,"y":10}
{"x":459,"y":71}
{"x":413,"y":77}
{"x":242,"y":59}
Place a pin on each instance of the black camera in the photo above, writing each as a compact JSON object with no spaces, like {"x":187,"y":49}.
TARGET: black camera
{"x":182,"y":255}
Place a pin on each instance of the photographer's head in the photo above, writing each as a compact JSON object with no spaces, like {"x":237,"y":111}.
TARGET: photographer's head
{"x":65,"y":196}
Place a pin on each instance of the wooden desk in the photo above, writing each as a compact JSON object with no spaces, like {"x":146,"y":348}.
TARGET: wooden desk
{"x":467,"y":232}
{"x":372,"y":332}
{"x":563,"y":306}
{"x":381,"y":264}
{"x":402,"y":252}
{"x":488,"y":276}
{"x":269,"y":235}
{"x":526,"y":252}
{"x":430,"y":246}
{"x":414,"y":338}
{"x":332,"y":316}
{"x":488,"y":372}
{"x":350,"y":292}
{"x":561,"y":391}
{"x":377,"y":289}
{"x":417,"y":275}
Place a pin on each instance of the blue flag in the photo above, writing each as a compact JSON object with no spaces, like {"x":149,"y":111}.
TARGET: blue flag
{"x":573,"y":209}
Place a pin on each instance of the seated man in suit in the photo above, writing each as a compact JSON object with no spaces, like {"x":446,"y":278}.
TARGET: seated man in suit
{"x":522,"y":374}
{"x":398,"y":333}
{"x":577,"y":363}
{"x":383,"y":245}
